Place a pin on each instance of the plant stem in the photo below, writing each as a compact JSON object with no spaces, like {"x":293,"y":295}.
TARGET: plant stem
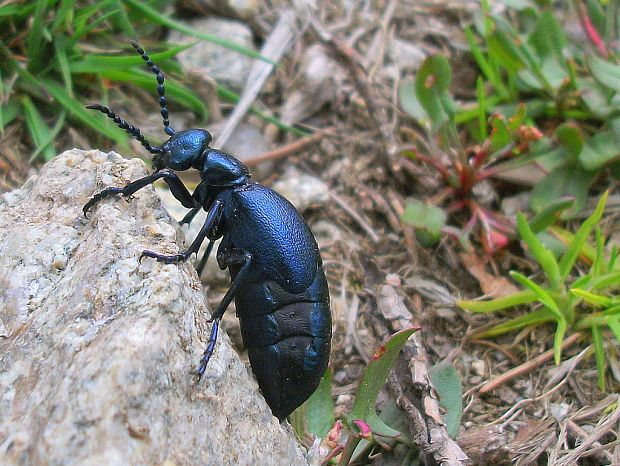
{"x":349,"y":449}
{"x":527,"y":366}
{"x":591,"y":32}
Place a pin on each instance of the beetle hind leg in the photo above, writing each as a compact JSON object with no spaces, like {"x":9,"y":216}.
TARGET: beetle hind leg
{"x":208,"y":351}
{"x":232,"y":258}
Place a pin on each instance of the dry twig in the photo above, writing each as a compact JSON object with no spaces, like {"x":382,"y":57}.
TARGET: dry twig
{"x":289,"y":149}
{"x":527,"y":366}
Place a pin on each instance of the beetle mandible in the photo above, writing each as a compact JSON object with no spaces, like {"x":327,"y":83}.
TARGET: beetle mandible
{"x":277,"y":278}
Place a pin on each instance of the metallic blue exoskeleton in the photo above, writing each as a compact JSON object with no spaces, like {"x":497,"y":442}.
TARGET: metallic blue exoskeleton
{"x":277,"y":278}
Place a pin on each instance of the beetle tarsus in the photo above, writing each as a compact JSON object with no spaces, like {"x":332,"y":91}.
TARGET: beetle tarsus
{"x":206,"y":356}
{"x":166,"y":259}
{"x":98,"y":197}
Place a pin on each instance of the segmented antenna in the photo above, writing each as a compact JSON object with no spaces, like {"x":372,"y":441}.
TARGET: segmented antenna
{"x":160,"y":86}
{"x":130,"y":129}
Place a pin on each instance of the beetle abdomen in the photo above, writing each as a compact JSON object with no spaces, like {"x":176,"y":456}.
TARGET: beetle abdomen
{"x":288,"y":337}
{"x":289,"y":369}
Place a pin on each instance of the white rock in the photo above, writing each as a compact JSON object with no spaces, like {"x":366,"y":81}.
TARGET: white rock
{"x":301,"y":189}
{"x":96,"y":349}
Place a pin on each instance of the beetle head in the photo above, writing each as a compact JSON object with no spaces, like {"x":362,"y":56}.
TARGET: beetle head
{"x":184,"y":150}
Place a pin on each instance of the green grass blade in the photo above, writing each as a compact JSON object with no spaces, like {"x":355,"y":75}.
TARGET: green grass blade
{"x":510,"y":38}
{"x":88,"y":11}
{"x":549,"y":214}
{"x":599,"y":355}
{"x":121,"y":20}
{"x":593,"y":299}
{"x":542,"y":295}
{"x":77,"y":111}
{"x":612,"y":311}
{"x":573,"y":249}
{"x":613,"y":257}
{"x":2,"y":93}
{"x":598,"y":265}
{"x":155,"y":16}
{"x":605,"y":281}
{"x":587,"y":252}
{"x":8,"y":112}
{"x":38,"y":129}
{"x":602,"y":281}
{"x":175,"y":92}
{"x":63,"y":63}
{"x":483,"y":307}
{"x":558,"y":339}
{"x":35,"y":43}
{"x":542,"y":255}
{"x":600,"y":319}
{"x":16,"y":11}
{"x":64,"y":15}
{"x":82,"y":28}
{"x":60,"y":122}
{"x":613,"y":322}
{"x":482,"y":109}
{"x":532,"y":319}
{"x":471,"y":110}
{"x":94,"y":63}
{"x":484,"y":65}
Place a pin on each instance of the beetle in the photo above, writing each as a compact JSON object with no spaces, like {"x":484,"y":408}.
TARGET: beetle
{"x":277,"y":278}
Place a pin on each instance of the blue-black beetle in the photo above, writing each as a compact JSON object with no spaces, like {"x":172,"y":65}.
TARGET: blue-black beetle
{"x":277,"y":278}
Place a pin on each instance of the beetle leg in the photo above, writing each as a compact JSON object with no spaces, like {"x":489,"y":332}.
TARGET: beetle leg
{"x":200,"y":195}
{"x":177,"y":188}
{"x":190,"y":215}
{"x":212,"y":218}
{"x":242,"y":258}
{"x":205,"y":257}
{"x":208,"y":351}
{"x":232,"y":258}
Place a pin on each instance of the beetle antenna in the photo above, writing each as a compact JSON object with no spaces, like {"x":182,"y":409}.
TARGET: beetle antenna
{"x":130,"y":129}
{"x":160,"y":86}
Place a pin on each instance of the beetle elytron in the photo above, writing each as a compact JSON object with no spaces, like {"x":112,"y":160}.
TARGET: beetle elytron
{"x":277,"y":278}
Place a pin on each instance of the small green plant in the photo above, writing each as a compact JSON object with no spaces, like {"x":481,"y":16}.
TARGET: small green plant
{"x":362,"y":427}
{"x":573,"y":301}
{"x":562,"y":83}
{"x":428,"y":100}
{"x":532,"y":76}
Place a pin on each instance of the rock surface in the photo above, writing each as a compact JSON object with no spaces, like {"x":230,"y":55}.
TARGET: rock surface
{"x":96,"y":349}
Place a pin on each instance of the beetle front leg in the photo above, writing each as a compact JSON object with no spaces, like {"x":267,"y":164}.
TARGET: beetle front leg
{"x":177,"y":188}
{"x":231,"y":258}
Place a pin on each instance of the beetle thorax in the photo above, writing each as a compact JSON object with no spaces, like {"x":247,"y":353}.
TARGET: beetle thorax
{"x":222,"y":169}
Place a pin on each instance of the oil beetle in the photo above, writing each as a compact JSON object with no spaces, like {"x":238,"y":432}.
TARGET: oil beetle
{"x":277,"y":278}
